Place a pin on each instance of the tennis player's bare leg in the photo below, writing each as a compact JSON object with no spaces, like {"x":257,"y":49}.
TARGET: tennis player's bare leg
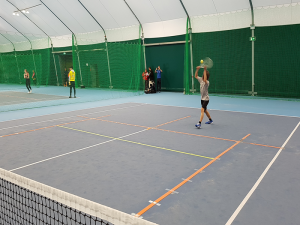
{"x":202,"y":115}
{"x":207,"y":114}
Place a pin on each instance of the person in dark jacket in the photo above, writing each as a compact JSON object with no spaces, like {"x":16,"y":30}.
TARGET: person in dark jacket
{"x":151,"y":74}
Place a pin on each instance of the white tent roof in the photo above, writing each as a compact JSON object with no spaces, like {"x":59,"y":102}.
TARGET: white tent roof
{"x":159,"y":18}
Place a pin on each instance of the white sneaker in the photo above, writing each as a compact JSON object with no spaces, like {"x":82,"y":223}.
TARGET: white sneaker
{"x":30,"y":91}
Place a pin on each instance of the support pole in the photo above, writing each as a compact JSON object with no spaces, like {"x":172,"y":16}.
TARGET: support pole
{"x":29,"y":42}
{"x":73,"y":36}
{"x":252,"y":27}
{"x":109,"y":72}
{"x":15,"y":57}
{"x":143,"y":37}
{"x":192,"y":63}
{"x":45,"y":34}
{"x":191,"y":45}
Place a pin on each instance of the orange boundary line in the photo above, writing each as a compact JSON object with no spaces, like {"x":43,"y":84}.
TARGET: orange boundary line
{"x":189,"y":178}
{"x":42,"y":128}
{"x":178,"y":132}
{"x":172,"y":121}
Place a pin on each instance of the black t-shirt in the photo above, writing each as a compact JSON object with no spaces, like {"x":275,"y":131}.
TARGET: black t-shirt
{"x":151,"y":75}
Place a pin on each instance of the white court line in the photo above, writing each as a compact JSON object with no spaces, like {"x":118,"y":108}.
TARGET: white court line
{"x":224,"y":110}
{"x":239,"y":208}
{"x":76,"y":150}
{"x":73,"y":111}
{"x":66,"y":117}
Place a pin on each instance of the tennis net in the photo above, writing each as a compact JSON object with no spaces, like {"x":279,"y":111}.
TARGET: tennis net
{"x":25,"y":201}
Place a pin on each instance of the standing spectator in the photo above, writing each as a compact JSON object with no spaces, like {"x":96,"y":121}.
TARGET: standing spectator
{"x":27,"y":78}
{"x":146,"y":78}
{"x":72,"y":81}
{"x":158,"y":71}
{"x":151,"y":74}
{"x":66,"y":78}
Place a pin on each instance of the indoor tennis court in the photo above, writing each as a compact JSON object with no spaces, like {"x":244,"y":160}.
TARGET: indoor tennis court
{"x":115,"y":156}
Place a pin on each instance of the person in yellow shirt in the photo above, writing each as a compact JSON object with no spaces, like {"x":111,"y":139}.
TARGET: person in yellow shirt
{"x":72,"y":76}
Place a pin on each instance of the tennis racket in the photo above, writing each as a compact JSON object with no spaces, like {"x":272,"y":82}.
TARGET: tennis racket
{"x":206,"y":62}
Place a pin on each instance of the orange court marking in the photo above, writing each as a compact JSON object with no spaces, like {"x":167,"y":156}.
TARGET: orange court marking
{"x":172,"y":121}
{"x":115,"y":122}
{"x":189,"y":178}
{"x":178,"y":132}
{"x":42,"y":128}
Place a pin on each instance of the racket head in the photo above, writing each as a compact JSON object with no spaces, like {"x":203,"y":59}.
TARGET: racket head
{"x":207,"y":62}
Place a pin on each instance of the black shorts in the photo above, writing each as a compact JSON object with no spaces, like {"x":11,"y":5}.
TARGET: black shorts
{"x":204,"y":104}
{"x":72,"y":84}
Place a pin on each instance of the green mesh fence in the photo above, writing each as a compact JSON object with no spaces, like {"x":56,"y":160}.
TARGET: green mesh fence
{"x":276,"y":70}
{"x":277,"y":57}
{"x":104,"y":70}
{"x":231,"y":53}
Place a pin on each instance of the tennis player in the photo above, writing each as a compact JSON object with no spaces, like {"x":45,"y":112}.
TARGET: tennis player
{"x":27,"y":78}
{"x":204,"y":84}
{"x":72,"y":81}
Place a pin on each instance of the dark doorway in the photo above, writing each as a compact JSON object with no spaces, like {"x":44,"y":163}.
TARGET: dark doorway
{"x":65,"y":61}
{"x":170,"y":58}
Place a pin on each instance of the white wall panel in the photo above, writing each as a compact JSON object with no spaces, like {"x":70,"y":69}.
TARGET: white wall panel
{"x":277,"y":15}
{"x":165,"y":28}
{"x":222,"y":21}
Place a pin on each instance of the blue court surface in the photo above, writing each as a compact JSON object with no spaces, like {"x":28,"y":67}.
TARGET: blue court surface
{"x":143,"y":155}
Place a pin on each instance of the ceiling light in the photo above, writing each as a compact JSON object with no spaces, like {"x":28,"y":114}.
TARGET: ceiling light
{"x":14,"y":14}
{"x":27,"y":12}
{"x":18,"y":14}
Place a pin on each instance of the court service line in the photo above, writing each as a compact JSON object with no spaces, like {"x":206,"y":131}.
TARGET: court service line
{"x":138,"y":143}
{"x":58,"y":156}
{"x":75,"y":111}
{"x":42,"y":128}
{"x":188,"y":179}
{"x":239,"y":208}
{"x":225,"y":110}
{"x":62,"y":117}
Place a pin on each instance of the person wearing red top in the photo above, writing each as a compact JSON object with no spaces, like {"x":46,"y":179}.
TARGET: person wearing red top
{"x":146,"y":78}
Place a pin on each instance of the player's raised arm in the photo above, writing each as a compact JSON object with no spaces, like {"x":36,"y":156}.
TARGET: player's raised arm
{"x":196,"y":73}
{"x":205,"y":75}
